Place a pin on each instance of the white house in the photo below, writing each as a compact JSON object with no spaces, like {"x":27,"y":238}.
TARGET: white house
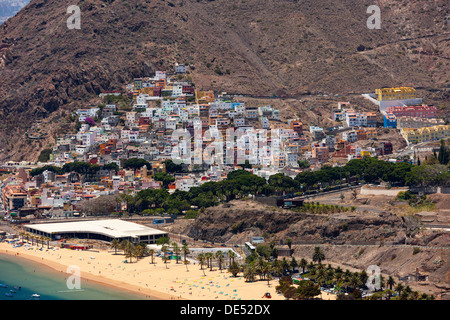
{"x":180,"y":68}
{"x":350,"y":136}
{"x":264,"y":122}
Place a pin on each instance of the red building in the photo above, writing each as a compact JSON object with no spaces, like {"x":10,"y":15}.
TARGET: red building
{"x":413,"y":111}
{"x":387,"y":148}
{"x":188,"y":90}
{"x":144,"y":121}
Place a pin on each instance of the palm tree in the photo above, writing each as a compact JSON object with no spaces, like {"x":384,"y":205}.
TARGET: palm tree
{"x":231,"y":255}
{"x":151,"y":252}
{"x":140,"y":251}
{"x":303,"y":264}
{"x":185,"y":249}
{"x":382,"y":283}
{"x":129,"y":252}
{"x":311,"y":268}
{"x":277,"y":268}
{"x":201,"y":258}
{"x":249,"y":272}
{"x":220,"y":259}
{"x":390,"y":282}
{"x":127,"y":248}
{"x":176,"y":250}
{"x":329,"y":275}
{"x":267,"y":269}
{"x":289,"y":244}
{"x":293,"y":264}
{"x":320,"y":278}
{"x":399,"y":287}
{"x":285,"y":265}
{"x":355,"y":281}
{"x":363,"y":277}
{"x":318,"y":255}
{"x":210,"y":257}
{"x":338,"y":274}
{"x":259,"y":265}
{"x":164,"y":250}
{"x":115,"y":244}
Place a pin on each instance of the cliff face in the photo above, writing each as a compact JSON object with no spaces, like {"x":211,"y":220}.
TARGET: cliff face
{"x":257,"y":47}
{"x":240,"y":220}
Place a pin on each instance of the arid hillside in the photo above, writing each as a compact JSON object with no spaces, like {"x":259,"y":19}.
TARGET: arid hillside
{"x":282,"y":47}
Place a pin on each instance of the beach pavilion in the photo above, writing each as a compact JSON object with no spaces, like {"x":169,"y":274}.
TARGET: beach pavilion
{"x":106,"y":230}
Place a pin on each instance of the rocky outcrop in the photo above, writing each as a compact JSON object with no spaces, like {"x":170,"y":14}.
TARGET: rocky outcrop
{"x":242,"y":219}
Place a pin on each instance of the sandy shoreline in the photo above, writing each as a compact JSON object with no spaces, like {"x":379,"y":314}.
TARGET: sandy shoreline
{"x":158,"y":281}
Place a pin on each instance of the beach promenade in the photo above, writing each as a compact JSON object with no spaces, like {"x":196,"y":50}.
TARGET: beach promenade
{"x":158,"y":280}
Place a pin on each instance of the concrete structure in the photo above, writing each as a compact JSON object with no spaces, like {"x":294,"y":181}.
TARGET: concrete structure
{"x":386,"y":103}
{"x":107,"y":230}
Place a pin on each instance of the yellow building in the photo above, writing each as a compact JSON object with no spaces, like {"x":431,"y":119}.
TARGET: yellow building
{"x":419,"y":135}
{"x":401,"y":93}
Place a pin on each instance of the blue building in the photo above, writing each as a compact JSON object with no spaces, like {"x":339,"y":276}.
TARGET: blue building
{"x":390,"y":120}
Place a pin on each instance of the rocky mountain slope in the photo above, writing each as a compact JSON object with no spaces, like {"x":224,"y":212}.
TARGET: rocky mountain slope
{"x":289,"y":47}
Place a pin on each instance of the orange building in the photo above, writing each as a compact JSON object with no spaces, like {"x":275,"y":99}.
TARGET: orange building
{"x":204,"y":96}
{"x":14,"y":197}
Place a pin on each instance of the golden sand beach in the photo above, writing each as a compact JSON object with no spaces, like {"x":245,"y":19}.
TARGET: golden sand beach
{"x":156,"y":280}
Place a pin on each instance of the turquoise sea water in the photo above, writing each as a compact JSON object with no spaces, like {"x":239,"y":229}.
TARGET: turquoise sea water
{"x":49,"y":284}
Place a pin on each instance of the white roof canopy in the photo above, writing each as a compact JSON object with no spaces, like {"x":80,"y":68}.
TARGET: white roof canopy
{"x":113,"y":228}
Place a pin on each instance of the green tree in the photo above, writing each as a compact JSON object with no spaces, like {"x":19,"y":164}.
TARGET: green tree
{"x":318,"y":255}
{"x":443,"y":156}
{"x":390,"y":282}
{"x":151,"y":252}
{"x":44,"y":156}
{"x":201,"y":259}
{"x":135,"y":163}
{"x":234,"y":268}
{"x":303,"y":164}
{"x":176,"y":250}
{"x":162,"y":241}
{"x":307,"y":289}
{"x":171,"y":167}
{"x":220,"y":259}
{"x":165,"y":178}
{"x":303,"y":264}
{"x":185,"y":249}
{"x":164,"y":250}
{"x":115,"y":244}
{"x":249,"y":272}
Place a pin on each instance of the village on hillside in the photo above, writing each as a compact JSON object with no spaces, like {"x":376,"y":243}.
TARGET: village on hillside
{"x":128,"y":143}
